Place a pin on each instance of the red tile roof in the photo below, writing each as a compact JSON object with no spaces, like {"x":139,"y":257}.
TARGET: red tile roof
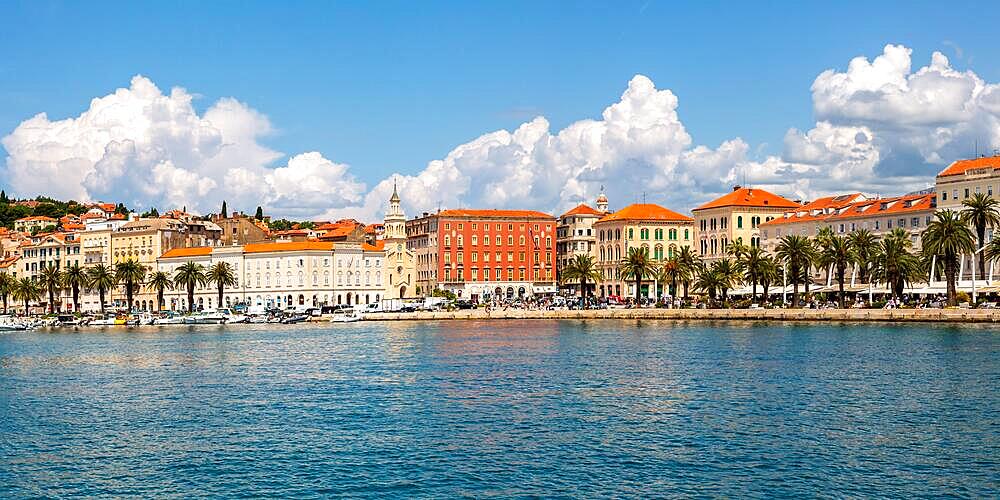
{"x":377,"y":247}
{"x":749,"y":197}
{"x":886,"y":206}
{"x":187,"y":252}
{"x":40,"y":218}
{"x":815,"y":210}
{"x":491,"y":213}
{"x":287,"y":246}
{"x":646,"y":211}
{"x":962,"y":166}
{"x":583,"y":209}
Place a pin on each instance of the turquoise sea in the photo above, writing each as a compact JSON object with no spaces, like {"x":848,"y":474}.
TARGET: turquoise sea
{"x":502,"y":409}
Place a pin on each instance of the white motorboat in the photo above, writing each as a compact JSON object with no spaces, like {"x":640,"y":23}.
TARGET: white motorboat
{"x":107,"y":320}
{"x":11,"y":324}
{"x":257,"y":318}
{"x":231,"y":316}
{"x":346,"y":316}
{"x":205,"y":318}
{"x":169,"y":319}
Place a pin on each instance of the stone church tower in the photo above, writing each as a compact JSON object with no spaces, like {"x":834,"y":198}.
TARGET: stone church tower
{"x":400,"y":262}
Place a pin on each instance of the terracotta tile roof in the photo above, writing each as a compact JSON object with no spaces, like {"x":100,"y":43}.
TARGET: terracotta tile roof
{"x":338,"y":231}
{"x":493,"y":213}
{"x":7,"y":263}
{"x":73,"y":227}
{"x":33,"y":218}
{"x":886,"y":206}
{"x":646,"y":211}
{"x":962,"y":166}
{"x":292,"y":232}
{"x":583,"y":209}
{"x":816,"y":210}
{"x":187,"y":252}
{"x":749,"y":197}
{"x":287,"y":246}
{"x":377,"y":247}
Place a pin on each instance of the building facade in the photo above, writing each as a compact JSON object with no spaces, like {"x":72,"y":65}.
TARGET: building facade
{"x":735,"y":217}
{"x":661,"y":231}
{"x":485,"y":255}
{"x":282,"y":275}
{"x":240,"y":229}
{"x":575,"y":235}
{"x":964,"y":178}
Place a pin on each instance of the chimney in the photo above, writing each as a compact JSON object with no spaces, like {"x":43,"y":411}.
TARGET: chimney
{"x":737,"y":187}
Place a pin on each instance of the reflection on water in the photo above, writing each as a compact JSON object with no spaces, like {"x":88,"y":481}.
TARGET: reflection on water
{"x":501,"y":408}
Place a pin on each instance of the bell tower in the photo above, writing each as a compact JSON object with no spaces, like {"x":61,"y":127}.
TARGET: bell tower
{"x":602,"y":201}
{"x":395,"y":219}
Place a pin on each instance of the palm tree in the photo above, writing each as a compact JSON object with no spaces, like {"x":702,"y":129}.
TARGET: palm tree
{"x":50,"y":280}
{"x":74,"y":277}
{"x":948,"y":237}
{"x":737,"y":249}
{"x":190,"y":275}
{"x":768,"y":272}
{"x":637,"y":266}
{"x":754,"y":259}
{"x":896,"y":265}
{"x":729,"y":274}
{"x":159,"y":281}
{"x":7,"y":287}
{"x":709,"y":281}
{"x":101,"y":278}
{"x":27,"y":290}
{"x":690,"y":263}
{"x":981,"y":211}
{"x":836,"y":252}
{"x":669,"y":272}
{"x":864,"y":246}
{"x":581,"y":269}
{"x":797,"y":253}
{"x":222,"y":275}
{"x":130,"y":274}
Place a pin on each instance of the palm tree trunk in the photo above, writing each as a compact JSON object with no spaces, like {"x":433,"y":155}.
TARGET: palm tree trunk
{"x":190,"y":290}
{"x":982,"y":257}
{"x":222,"y":289}
{"x":840,"y":285}
{"x":686,"y":283}
{"x":100,"y":293}
{"x":52,"y":301}
{"x":949,"y":271}
{"x":76,"y":298}
{"x":5,"y":304}
{"x":159,"y":300}
{"x":753,"y":289}
{"x":638,"y":291}
{"x":795,"y":293}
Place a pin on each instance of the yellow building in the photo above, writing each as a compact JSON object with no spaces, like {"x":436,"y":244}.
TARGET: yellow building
{"x":661,"y":231}
{"x":400,"y":261}
{"x":735,"y":217}
{"x":964,"y":178}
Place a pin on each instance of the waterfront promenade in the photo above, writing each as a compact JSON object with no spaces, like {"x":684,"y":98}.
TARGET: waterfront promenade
{"x":888,"y":315}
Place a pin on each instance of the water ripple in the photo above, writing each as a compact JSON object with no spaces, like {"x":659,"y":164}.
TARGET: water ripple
{"x":502,"y":409}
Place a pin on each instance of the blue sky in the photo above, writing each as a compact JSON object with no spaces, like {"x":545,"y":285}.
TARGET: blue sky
{"x":388,"y":86}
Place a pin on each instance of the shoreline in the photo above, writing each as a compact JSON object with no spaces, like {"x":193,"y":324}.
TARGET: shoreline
{"x":816,"y":315}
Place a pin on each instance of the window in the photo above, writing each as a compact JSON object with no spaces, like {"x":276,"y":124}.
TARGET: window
{"x":915,"y":222}
{"x":944,"y":196}
{"x":902,"y":222}
{"x":966,"y":192}
{"x":739,"y":222}
{"x":631,"y":235}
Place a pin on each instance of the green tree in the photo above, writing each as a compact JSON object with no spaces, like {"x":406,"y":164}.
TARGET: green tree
{"x":225,"y":211}
{"x":729,"y":273}
{"x":130,"y":274}
{"x":864,"y":248}
{"x":581,"y":269}
{"x":636,"y":266}
{"x":101,"y":278}
{"x":189,"y":276}
{"x":26,"y":291}
{"x":7,"y":286}
{"x":670,"y":271}
{"x":753,"y":262}
{"x":120,"y":209}
{"x":50,"y":280}
{"x":159,"y":281}
{"x":3,"y":197}
{"x":797,"y":253}
{"x":769,"y":272}
{"x":979,"y":212}
{"x":222,"y":275}
{"x":709,"y":281}
{"x":259,"y":215}
{"x":74,"y":277}
{"x":690,"y":264}
{"x":835,"y":252}
{"x":896,"y":265}
{"x":948,"y":237}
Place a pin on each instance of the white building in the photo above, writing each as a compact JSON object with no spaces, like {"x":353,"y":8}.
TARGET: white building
{"x":282,"y":274}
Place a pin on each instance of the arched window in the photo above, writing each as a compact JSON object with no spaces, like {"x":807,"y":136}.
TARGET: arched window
{"x":739,"y":222}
